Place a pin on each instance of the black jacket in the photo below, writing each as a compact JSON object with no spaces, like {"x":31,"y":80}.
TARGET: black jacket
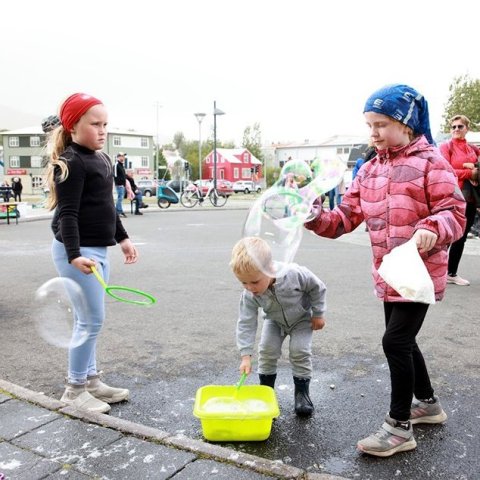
{"x":119,"y":173}
{"x":85,"y":215}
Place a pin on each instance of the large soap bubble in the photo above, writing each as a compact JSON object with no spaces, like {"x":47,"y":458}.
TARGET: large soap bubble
{"x":279,"y":214}
{"x":60,"y":304}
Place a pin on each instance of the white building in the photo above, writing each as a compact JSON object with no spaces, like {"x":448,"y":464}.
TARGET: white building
{"x":347,"y":147}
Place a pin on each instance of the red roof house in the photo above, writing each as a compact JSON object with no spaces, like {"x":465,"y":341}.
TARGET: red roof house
{"x":232,"y":164}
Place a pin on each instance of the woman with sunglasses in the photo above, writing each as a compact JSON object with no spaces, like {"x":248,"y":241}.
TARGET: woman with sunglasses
{"x":463,"y":157}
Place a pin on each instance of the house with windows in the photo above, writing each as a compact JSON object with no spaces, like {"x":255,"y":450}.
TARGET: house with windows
{"x":232,"y":164}
{"x":347,"y":147}
{"x":25,"y":155}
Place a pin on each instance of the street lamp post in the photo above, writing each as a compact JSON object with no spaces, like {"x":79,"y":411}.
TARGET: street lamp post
{"x":157,"y":154}
{"x":200,"y":117}
{"x":216,"y":112}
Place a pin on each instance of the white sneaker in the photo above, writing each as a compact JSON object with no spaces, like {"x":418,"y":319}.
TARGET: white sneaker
{"x":389,"y":439}
{"x":457,"y":280}
{"x":77,"y":397}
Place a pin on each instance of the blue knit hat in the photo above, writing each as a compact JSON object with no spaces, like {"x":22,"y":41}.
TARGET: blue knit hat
{"x":402,"y":103}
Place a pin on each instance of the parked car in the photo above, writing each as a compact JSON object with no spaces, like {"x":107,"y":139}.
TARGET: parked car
{"x":246,"y":186}
{"x":147,"y":187}
{"x":224,"y":187}
{"x":175,"y":185}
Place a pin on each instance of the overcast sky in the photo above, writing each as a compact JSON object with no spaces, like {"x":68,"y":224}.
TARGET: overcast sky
{"x":301,"y":68}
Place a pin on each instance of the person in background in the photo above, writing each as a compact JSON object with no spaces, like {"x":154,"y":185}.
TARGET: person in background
{"x":331,"y":198}
{"x":407,"y":191}
{"x":137,"y":195}
{"x":340,"y":191}
{"x":463,"y":157}
{"x":120,"y":182}
{"x":293,"y":305}
{"x":17,"y":188}
{"x":358,"y":163}
{"x":85,"y":223}
{"x":367,"y":155}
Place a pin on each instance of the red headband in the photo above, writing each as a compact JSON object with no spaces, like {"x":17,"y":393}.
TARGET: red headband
{"x":74,"y":107}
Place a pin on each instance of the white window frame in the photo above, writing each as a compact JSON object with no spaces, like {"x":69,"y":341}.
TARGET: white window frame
{"x":14,"y":161}
{"x":36,"y":161}
{"x":144,"y":142}
{"x":37,"y":181}
{"x":236,"y":172}
{"x":117,"y":141}
{"x":246,"y":173}
{"x":13,"y":142}
{"x":35,"y":141}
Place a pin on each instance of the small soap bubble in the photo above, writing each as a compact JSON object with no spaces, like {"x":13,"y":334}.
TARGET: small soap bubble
{"x":60,"y":301}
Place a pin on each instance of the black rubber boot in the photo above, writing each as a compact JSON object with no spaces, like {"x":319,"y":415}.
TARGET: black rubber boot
{"x":268,"y":380}
{"x":303,"y":405}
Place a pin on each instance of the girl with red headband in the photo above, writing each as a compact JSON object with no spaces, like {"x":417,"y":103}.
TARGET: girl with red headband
{"x":80,"y":177}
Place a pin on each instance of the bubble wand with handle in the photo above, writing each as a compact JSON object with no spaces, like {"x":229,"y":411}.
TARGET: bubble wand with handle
{"x":118,"y":293}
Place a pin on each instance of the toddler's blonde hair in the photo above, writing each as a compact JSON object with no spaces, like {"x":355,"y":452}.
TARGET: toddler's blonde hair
{"x":251,"y":254}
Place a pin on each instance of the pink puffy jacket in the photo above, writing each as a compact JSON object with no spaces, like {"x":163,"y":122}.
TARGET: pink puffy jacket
{"x":398,"y":192}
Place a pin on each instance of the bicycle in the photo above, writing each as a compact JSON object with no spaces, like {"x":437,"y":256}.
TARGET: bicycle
{"x":193,"y":195}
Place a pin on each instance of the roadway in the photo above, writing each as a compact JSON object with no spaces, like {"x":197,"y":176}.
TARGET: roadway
{"x":163,"y":354}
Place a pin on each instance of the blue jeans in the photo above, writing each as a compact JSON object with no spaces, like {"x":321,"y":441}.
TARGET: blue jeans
{"x":120,"y":197}
{"x":82,"y":359}
{"x":138,"y":200}
{"x":331,"y":198}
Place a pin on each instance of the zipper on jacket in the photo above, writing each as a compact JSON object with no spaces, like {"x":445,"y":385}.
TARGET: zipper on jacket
{"x":272,"y":288}
{"x":387,"y":216}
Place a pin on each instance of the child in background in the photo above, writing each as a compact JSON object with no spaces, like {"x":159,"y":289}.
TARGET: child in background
{"x":408,"y":190}
{"x":293,"y":304}
{"x":80,"y":179}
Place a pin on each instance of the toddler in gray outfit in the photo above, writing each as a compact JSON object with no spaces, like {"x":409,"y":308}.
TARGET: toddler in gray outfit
{"x":293,"y":304}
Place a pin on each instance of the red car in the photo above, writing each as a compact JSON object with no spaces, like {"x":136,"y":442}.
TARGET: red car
{"x":224,"y":187}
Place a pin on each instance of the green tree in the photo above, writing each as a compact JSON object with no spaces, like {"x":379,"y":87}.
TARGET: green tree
{"x":188,"y":150}
{"x":163,"y":171}
{"x":464,"y":99}
{"x":179,"y":142}
{"x":252,"y":140}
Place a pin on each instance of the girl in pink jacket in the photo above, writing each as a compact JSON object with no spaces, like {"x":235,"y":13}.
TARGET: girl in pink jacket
{"x":408,"y":190}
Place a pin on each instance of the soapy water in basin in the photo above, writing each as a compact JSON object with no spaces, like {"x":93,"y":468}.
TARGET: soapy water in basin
{"x":227,"y":405}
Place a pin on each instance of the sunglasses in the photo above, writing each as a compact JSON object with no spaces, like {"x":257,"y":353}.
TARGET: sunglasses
{"x":459,"y":127}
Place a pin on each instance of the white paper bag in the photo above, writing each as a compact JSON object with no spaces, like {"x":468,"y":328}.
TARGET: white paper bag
{"x":403,"y":269}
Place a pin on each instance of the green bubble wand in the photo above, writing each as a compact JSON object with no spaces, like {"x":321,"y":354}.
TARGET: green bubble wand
{"x":119,"y":293}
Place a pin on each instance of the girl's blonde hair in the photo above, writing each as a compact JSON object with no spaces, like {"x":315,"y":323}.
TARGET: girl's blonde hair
{"x":59,"y":140}
{"x":251,"y":254}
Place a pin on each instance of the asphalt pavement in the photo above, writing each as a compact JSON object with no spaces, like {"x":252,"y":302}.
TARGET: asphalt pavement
{"x":189,"y":342}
